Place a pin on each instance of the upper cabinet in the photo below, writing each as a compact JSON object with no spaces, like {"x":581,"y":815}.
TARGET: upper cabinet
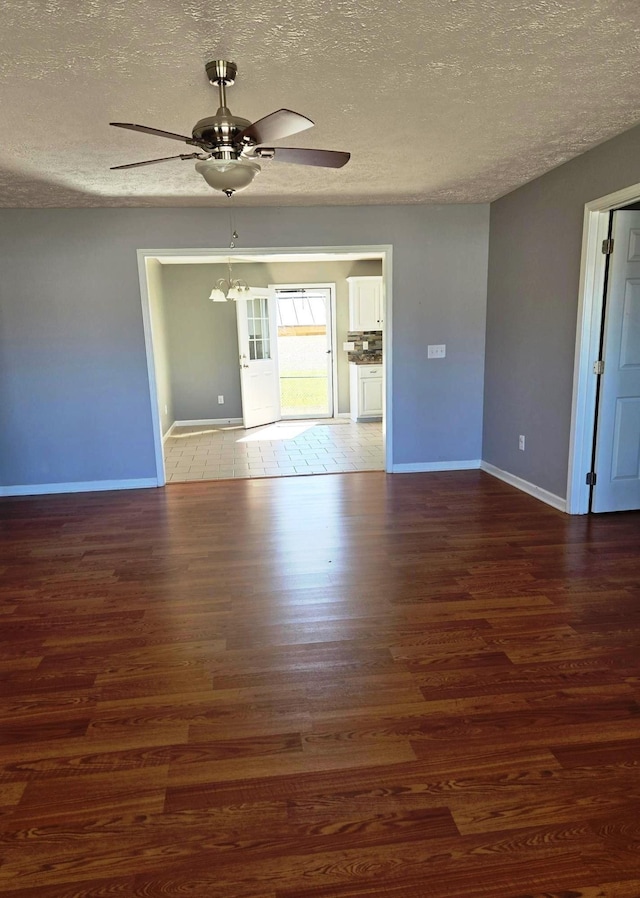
{"x":366,"y":305}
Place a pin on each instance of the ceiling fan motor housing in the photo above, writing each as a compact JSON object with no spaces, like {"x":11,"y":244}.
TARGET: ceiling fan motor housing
{"x":219,"y":132}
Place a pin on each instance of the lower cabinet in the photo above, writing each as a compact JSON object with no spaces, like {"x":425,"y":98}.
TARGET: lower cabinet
{"x":365,"y":383}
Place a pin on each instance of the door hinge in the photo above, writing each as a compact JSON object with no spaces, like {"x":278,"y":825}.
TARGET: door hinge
{"x":598,"y":367}
{"x":591,"y":478}
{"x":607,"y":246}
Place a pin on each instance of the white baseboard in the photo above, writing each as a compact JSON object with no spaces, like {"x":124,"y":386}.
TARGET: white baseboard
{"x":536,"y":491}
{"x":424,"y":467}
{"x":204,"y":422}
{"x":85,"y":486}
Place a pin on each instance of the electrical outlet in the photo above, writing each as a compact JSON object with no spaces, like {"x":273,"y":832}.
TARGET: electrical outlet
{"x":521,"y":442}
{"x":221,"y":400}
{"x":436,"y":351}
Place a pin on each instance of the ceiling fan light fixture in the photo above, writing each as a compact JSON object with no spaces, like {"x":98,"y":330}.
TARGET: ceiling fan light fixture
{"x":228,"y":175}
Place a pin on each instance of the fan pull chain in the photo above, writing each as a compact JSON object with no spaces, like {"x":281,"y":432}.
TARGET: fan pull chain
{"x":232,"y":230}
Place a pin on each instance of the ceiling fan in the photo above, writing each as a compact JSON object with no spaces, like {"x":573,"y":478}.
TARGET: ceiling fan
{"x":230,"y":147}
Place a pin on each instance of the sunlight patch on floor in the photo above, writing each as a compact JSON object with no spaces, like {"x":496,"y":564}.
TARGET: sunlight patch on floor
{"x":281,"y":430}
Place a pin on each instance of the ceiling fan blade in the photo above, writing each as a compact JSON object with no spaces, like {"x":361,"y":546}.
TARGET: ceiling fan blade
{"x":145,"y":130}
{"x":153,"y":161}
{"x":279,"y":124}
{"x":304,"y":156}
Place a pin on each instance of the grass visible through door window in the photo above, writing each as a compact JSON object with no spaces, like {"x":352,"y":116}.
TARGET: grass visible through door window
{"x":301,"y":391}
{"x":303,"y":374}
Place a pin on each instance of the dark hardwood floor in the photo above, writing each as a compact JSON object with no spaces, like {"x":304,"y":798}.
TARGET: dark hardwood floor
{"x":340,"y":687}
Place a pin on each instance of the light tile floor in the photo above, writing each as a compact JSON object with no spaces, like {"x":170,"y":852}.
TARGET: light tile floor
{"x":287,"y":448}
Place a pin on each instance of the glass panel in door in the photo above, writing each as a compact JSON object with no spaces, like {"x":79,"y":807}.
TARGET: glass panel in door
{"x":258,"y":324}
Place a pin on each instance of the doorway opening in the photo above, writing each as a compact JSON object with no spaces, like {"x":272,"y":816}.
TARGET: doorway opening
{"x":608,"y":313}
{"x":249,"y":441}
{"x":306,"y":351}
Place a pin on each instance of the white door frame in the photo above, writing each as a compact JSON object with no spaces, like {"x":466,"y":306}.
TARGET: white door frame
{"x":385,"y":250}
{"x":331,"y":287}
{"x":590,"y":296}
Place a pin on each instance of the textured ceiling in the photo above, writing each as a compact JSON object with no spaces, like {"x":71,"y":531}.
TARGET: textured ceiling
{"x":437,"y":100}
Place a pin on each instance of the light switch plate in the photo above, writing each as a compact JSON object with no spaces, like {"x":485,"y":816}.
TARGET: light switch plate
{"x":349,"y":346}
{"x":436,"y":351}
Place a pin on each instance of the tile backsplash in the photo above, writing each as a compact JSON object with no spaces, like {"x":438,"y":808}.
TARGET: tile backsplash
{"x":373,"y":353}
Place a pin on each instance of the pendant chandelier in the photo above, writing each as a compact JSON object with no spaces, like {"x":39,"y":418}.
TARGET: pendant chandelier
{"x":230,"y":288}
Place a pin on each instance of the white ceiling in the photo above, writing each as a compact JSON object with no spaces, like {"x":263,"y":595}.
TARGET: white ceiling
{"x":437,"y":100}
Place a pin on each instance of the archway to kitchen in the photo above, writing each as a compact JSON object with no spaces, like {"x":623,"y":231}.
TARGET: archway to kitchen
{"x":195,"y":366}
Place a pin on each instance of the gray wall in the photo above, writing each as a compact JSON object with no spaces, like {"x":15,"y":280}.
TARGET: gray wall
{"x":534,"y":267}
{"x":203,"y":345}
{"x":74,"y":394}
{"x":74,"y":399}
{"x":157,"y":303}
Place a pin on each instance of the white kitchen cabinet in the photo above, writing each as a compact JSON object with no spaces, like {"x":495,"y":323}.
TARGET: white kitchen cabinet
{"x":365,"y":383}
{"x":366,"y":306}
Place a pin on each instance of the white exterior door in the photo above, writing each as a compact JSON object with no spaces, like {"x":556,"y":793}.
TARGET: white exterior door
{"x":617,"y":464}
{"x":257,"y":344}
{"x":305,"y":351}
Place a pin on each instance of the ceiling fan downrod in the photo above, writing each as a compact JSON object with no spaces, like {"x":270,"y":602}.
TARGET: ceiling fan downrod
{"x":223,"y":74}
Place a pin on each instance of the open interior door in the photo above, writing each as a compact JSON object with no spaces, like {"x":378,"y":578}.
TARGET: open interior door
{"x":257,"y":329}
{"x":617,"y":463}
